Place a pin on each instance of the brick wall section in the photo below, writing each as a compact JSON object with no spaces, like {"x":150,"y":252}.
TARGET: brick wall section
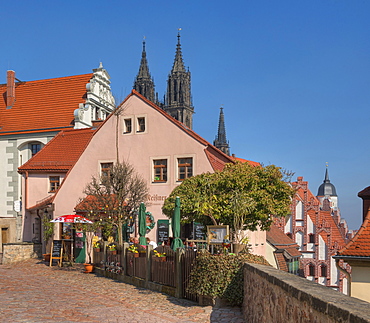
{"x":14,"y":252}
{"x":271,"y":295}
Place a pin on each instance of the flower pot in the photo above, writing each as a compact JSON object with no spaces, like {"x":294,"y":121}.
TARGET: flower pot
{"x":160,"y":259}
{"x":89,"y":268}
{"x":46,"y":257}
{"x":97,"y":249}
{"x":113,"y":252}
{"x":136,"y":255}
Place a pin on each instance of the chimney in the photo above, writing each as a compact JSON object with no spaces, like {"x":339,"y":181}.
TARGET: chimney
{"x":365,"y":195}
{"x":10,"y":89}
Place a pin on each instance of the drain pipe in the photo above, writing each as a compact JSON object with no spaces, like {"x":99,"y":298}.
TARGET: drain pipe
{"x":346,"y":273}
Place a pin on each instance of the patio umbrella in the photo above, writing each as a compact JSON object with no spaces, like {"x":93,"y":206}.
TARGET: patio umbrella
{"x":71,"y":218}
{"x":175,"y":224}
{"x":142,"y":224}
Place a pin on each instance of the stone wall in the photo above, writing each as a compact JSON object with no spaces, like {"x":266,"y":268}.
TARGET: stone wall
{"x":14,"y":252}
{"x":271,"y":295}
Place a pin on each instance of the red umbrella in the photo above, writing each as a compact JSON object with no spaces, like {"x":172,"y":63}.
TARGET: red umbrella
{"x":71,"y":218}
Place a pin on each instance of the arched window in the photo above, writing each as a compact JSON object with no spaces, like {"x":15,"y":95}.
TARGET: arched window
{"x":323,"y":270}
{"x":311,"y":270}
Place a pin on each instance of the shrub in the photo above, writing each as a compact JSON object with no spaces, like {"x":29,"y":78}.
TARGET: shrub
{"x":221,"y":275}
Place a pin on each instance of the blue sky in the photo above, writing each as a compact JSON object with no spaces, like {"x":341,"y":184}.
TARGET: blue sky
{"x":293,"y":76}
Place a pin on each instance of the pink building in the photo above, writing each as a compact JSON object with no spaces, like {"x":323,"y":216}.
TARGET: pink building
{"x":161,"y":149}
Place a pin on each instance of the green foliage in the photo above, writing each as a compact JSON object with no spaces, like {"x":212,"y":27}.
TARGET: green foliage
{"x":249,"y":192}
{"x":48,"y":228}
{"x":221,"y":275}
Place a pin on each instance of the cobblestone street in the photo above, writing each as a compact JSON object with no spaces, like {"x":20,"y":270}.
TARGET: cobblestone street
{"x":31,"y":291}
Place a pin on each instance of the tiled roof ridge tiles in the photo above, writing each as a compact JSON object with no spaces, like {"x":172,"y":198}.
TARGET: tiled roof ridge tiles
{"x":49,"y":79}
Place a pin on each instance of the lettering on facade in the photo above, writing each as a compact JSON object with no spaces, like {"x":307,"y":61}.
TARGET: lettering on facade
{"x":156,"y":198}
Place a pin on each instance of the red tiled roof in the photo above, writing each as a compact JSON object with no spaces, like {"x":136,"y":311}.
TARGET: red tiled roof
{"x":279,"y":240}
{"x":359,"y":246}
{"x":253,"y":163}
{"x":60,"y":153}
{"x":44,"y":105}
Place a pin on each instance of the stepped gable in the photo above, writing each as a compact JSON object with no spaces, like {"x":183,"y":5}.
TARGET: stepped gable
{"x":60,"y":153}
{"x":42,"y":106}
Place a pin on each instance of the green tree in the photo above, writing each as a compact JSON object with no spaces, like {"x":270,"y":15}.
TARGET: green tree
{"x":241,"y":196}
{"x":113,"y":199}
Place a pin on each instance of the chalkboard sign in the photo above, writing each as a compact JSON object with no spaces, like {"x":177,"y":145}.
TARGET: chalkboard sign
{"x":199,"y":233}
{"x":162,"y":230}
{"x":56,"y":251}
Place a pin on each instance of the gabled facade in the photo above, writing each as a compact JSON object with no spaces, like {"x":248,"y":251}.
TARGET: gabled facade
{"x":31,"y":114}
{"x":317,"y":233}
{"x":281,"y":251}
{"x":160,"y":148}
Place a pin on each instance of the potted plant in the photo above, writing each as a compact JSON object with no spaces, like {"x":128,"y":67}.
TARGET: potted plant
{"x":112,"y":248}
{"x":159,"y":256}
{"x":97,"y":246}
{"x":133,"y":249}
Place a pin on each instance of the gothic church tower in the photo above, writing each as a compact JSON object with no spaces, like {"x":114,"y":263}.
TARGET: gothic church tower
{"x":144,"y":83}
{"x":220,"y":142}
{"x":178,"y":101}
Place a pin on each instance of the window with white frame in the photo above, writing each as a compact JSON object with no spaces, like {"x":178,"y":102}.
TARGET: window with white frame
{"x":160,"y":170}
{"x":185,"y":168}
{"x":140,"y":124}
{"x":105,"y":170}
{"x":127,"y":125}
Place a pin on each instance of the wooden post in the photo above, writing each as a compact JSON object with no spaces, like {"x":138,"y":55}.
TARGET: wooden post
{"x":148,"y":275}
{"x":123,"y":257}
{"x":179,"y":255}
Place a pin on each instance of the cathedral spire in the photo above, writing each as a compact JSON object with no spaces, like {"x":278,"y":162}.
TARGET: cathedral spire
{"x":178,"y":101}
{"x":220,"y":142}
{"x":144,"y":83}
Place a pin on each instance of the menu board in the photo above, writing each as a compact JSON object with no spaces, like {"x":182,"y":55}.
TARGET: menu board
{"x":56,"y":251}
{"x":198,"y":230}
{"x":162,"y":230}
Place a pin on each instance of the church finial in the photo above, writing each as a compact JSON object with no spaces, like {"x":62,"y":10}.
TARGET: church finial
{"x":144,"y":83}
{"x":178,"y":100}
{"x":220,"y":142}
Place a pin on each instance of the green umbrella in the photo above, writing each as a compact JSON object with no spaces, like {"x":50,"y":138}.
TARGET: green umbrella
{"x":142,"y":224}
{"x":177,"y":242}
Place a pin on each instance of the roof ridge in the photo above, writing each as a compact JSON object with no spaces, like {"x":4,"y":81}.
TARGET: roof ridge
{"x":50,"y":79}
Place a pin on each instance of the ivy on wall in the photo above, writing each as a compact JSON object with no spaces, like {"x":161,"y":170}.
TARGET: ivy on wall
{"x":221,"y":275}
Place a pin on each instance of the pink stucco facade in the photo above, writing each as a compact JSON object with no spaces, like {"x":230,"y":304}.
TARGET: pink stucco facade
{"x":163,"y":138}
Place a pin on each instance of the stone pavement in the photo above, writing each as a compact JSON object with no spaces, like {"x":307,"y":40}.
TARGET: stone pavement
{"x":31,"y":291}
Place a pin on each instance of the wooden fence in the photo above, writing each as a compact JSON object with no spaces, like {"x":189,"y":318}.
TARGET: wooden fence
{"x":172,"y":271}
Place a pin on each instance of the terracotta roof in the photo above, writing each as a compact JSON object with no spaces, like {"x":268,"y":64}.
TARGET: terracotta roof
{"x":359,"y":246}
{"x":44,"y":105}
{"x":60,"y":153}
{"x":40,"y":204}
{"x":253,"y":163}
{"x":280,"y":241}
